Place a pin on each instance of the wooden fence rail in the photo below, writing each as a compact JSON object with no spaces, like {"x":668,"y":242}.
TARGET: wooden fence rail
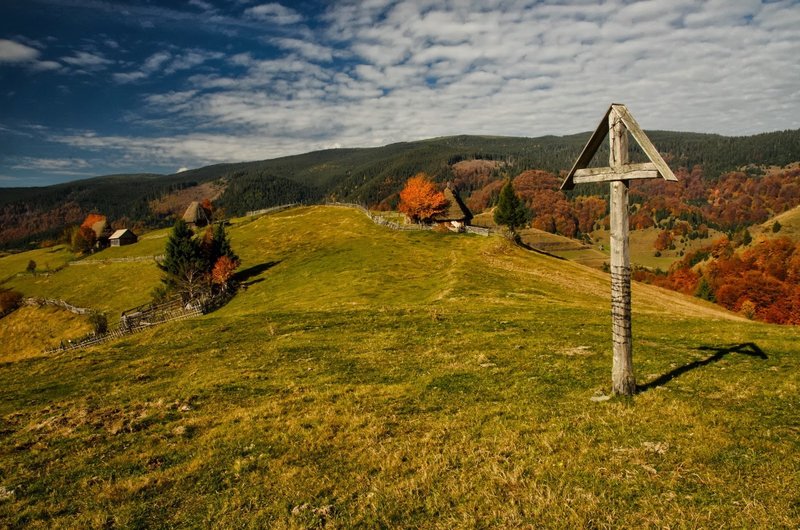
{"x":116,"y":260}
{"x":121,"y":331}
{"x":138,"y":319}
{"x":272,"y":209}
{"x":380,"y":220}
{"x":58,"y":303}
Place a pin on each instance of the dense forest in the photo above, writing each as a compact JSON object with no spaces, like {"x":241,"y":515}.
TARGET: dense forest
{"x":761,"y":281}
{"x":374,"y":176}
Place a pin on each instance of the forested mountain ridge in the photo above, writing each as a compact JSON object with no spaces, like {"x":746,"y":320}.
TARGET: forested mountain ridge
{"x":367,"y":175}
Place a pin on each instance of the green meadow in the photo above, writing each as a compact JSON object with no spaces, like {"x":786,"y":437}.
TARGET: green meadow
{"x":367,"y":378}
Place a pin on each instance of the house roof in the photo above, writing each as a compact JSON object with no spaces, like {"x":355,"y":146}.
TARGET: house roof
{"x":195,"y":213}
{"x":456,"y":209}
{"x":119,"y":233}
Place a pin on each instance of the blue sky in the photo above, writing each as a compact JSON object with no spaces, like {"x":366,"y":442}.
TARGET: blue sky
{"x":93,"y":87}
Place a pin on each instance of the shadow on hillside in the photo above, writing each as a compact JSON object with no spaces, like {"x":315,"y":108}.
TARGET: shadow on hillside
{"x":520,"y":243}
{"x":746,"y":348}
{"x":243,"y":277}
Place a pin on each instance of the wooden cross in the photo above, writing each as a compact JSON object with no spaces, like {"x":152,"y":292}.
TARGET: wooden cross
{"x":618,"y":121}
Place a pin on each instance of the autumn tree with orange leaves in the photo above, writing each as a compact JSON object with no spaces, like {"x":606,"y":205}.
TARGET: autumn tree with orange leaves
{"x":420,"y":200}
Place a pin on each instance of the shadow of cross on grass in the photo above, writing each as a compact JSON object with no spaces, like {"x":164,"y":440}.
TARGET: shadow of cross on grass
{"x":746,"y":348}
{"x":241,"y":277}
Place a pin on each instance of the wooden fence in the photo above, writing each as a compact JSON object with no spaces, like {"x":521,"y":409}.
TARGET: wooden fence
{"x":117,"y":260}
{"x":481,"y":231}
{"x":58,"y":303}
{"x":138,"y":319}
{"x":376,"y":218}
{"x":272,"y":209}
{"x":380,"y":220}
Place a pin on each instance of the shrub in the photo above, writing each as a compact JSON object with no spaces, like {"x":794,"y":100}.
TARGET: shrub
{"x":9,"y":300}
{"x":99,"y":322}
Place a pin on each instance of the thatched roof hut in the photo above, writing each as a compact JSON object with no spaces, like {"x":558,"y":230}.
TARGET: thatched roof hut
{"x":457,"y":215}
{"x":196,"y":215}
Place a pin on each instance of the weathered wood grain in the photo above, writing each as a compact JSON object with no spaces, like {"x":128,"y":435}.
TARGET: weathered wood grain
{"x":623,"y":381}
{"x":644,"y":142}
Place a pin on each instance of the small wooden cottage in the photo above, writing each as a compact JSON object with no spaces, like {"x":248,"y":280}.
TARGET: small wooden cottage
{"x":457,"y":216}
{"x":196,"y":215}
{"x":122,"y":237}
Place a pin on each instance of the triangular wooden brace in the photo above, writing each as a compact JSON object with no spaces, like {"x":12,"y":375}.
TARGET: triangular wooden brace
{"x":638,"y":134}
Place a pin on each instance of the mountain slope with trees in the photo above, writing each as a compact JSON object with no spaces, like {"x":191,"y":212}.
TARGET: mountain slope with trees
{"x":373,"y":176}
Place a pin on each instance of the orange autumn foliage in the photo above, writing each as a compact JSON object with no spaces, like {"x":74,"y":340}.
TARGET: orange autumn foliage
{"x":91,"y":219}
{"x":420,"y":200}
{"x":223,"y":271}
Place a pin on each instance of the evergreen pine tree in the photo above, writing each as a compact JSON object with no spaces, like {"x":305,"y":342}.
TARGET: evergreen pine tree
{"x":510,"y":210}
{"x":704,"y":290}
{"x":222,"y":244}
{"x":184,"y":265}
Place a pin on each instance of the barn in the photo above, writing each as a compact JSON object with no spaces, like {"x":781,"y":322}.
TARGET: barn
{"x":196,"y":215}
{"x":122,"y":237}
{"x":457,"y":216}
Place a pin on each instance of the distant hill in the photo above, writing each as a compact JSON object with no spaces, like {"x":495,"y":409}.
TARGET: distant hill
{"x":368,"y":175}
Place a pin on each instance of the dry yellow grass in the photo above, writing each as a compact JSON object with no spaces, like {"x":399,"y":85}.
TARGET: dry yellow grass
{"x":28,"y":331}
{"x":376,"y":379}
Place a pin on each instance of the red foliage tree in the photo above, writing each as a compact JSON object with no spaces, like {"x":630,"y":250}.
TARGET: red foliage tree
{"x":589,"y":210}
{"x":83,"y":239}
{"x":663,"y":240}
{"x":420,"y":200}
{"x":223,"y":271}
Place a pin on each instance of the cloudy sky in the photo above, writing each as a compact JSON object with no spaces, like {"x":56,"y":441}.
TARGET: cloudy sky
{"x":91,"y":87}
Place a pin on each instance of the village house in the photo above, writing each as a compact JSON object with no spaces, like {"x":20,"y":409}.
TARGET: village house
{"x":457,"y":216}
{"x":196,"y":215}
{"x":122,"y":237}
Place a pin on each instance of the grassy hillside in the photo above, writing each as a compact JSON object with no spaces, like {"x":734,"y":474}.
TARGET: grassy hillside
{"x":27,"y":332}
{"x":553,"y":244}
{"x":376,"y":379}
{"x":642,"y":247}
{"x":789,"y":225}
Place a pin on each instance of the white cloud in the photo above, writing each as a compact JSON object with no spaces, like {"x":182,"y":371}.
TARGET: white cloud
{"x":87,"y":61}
{"x":182,"y":169}
{"x":155,"y":61}
{"x":418,"y":69}
{"x":274,"y":13}
{"x":167,"y":63}
{"x":53,"y":165}
{"x":14,"y":52}
{"x":201,"y":4}
{"x":45,"y":66}
{"x":128,"y":77}
{"x":307,"y":49}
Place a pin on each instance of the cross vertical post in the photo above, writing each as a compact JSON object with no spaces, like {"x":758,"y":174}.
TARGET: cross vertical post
{"x":623,"y":380}
{"x":617,"y":123}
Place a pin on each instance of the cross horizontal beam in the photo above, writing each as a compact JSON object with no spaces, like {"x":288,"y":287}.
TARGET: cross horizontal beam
{"x":606,"y":174}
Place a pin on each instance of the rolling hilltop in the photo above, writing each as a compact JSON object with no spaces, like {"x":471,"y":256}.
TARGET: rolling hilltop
{"x":372,"y":176}
{"x":372,"y":378}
